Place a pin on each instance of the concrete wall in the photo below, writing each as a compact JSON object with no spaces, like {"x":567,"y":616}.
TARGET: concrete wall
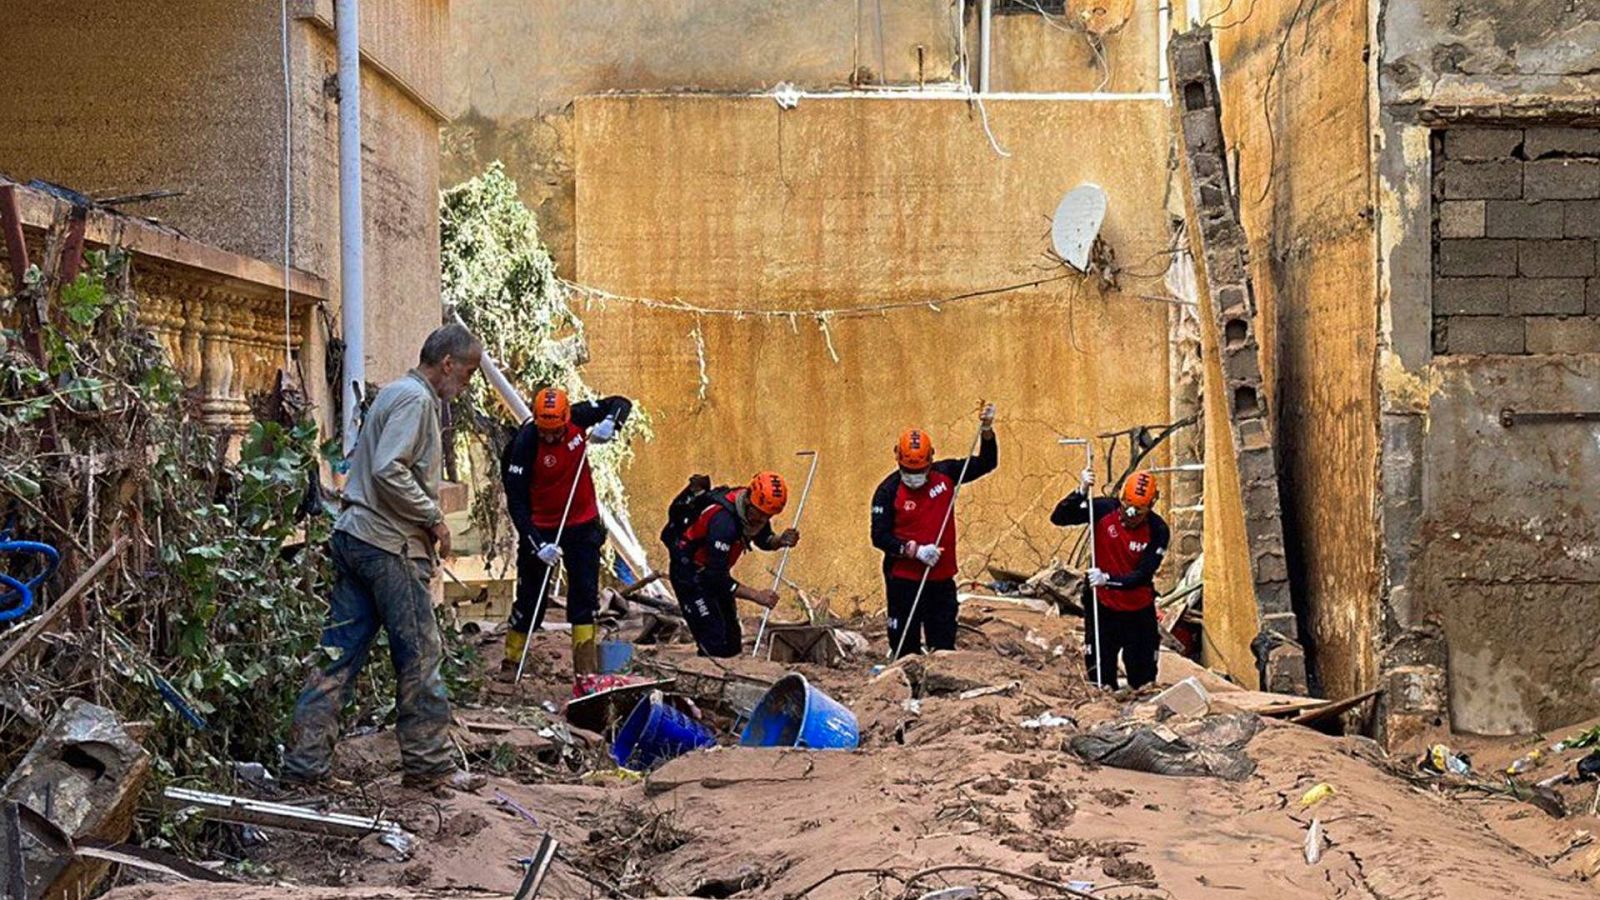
{"x":126,"y":97}
{"x":1459,"y":490}
{"x":516,"y":65}
{"x":851,"y":202}
{"x":1294,"y":88}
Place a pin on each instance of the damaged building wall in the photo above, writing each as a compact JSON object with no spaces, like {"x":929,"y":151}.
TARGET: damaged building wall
{"x":1488,"y":531}
{"x":143,"y":96}
{"x":1294,"y":89}
{"x":871,"y":201}
{"x":515,"y":66}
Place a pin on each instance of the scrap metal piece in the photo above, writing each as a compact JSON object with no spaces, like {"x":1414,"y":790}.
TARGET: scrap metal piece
{"x":538,"y":868}
{"x":244,"y":811}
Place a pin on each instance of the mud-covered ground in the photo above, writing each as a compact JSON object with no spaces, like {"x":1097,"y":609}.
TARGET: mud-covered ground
{"x":939,"y":782}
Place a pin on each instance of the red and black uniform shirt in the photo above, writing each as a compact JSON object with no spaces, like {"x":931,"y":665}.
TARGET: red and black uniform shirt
{"x":903,"y":515}
{"x":1128,"y":556}
{"x":538,"y":475}
{"x":713,"y":543}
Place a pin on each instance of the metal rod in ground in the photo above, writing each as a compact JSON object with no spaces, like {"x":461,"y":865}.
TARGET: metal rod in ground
{"x":544,"y":583}
{"x":937,"y":542}
{"x":777,"y":577}
{"x":538,"y":868}
{"x":1094,"y":594}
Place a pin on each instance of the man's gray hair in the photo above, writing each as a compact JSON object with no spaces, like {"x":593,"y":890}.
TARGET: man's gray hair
{"x":453,"y":340}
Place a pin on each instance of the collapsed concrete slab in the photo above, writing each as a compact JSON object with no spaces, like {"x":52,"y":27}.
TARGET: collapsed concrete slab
{"x":1228,"y":301}
{"x":83,"y":776}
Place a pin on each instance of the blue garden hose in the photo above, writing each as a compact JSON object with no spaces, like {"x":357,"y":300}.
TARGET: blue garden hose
{"x":16,"y":598}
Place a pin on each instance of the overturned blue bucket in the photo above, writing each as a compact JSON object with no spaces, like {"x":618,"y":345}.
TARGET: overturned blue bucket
{"x":795,"y":714}
{"x":654,"y":733}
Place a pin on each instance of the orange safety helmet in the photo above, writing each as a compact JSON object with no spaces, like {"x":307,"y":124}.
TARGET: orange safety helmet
{"x":769,"y":492}
{"x":551,"y":409}
{"x":915,"y":449}
{"x":1140,"y":490}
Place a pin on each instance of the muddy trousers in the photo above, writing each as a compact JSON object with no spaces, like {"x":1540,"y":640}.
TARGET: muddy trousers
{"x":714,"y":621}
{"x":1134,"y":635}
{"x":936,"y":614}
{"x":580,"y":556}
{"x":372,"y":589}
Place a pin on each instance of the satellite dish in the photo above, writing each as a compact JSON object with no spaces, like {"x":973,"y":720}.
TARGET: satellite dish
{"x":1077,"y":223}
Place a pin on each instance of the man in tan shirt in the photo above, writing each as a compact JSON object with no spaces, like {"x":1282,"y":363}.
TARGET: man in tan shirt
{"x":387,"y":539}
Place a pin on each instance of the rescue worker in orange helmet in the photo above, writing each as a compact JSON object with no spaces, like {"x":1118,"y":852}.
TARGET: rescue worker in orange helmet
{"x":1130,"y":541}
{"x":908,"y":509}
{"x":731,"y":521}
{"x":548,"y":456}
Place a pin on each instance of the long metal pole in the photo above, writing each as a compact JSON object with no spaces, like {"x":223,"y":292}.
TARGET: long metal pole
{"x":1094,"y":593}
{"x":352,"y":254}
{"x":985,"y":48}
{"x":777,"y":577}
{"x":911,"y":619}
{"x":544,"y":583}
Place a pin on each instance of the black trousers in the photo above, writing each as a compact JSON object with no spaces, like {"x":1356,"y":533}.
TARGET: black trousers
{"x":1133,"y":635}
{"x":935,"y":619}
{"x":714,"y":621}
{"x":580,"y":554}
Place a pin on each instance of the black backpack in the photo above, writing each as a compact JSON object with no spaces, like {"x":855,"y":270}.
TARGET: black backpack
{"x":688,"y":506}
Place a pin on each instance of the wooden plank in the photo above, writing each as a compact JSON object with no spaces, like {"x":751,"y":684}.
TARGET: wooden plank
{"x":1335,"y":708}
{"x":243,"y":811}
{"x":63,"y":603}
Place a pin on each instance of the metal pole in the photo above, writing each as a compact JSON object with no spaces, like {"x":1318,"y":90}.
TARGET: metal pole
{"x":1094,"y":594}
{"x":544,"y":583}
{"x":949,"y":511}
{"x":352,"y":274}
{"x":777,"y":577}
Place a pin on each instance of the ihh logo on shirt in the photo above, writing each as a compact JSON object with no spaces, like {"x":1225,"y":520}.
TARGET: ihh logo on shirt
{"x":576,"y":440}
{"x":937,"y":490}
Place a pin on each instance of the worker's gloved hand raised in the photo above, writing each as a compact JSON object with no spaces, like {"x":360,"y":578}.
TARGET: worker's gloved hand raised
{"x":604,"y":431}
{"x":986,"y":418}
{"x":1086,"y":480}
{"x":1098,"y":578}
{"x":768,"y":599}
{"x":928,"y":555}
{"x":789,"y":538}
{"x":549,"y":554}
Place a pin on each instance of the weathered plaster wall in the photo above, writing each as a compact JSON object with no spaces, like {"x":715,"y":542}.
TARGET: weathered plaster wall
{"x":871,"y":201}
{"x":1449,"y":64}
{"x":1295,"y":111}
{"x":515,"y":66}
{"x":135,"y":96}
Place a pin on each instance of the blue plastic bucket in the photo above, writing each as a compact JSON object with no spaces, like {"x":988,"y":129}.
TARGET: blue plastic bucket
{"x":655,"y":733}
{"x":795,"y":714}
{"x":615,"y":656}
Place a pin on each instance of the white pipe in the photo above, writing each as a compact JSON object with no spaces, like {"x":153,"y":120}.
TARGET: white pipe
{"x":1164,"y":27}
{"x":985,"y":20}
{"x":352,"y":258}
{"x":1194,"y":14}
{"x":961,"y":42}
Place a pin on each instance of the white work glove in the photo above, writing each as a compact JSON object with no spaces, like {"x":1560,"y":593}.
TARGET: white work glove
{"x":549,"y":554}
{"x":604,"y":431}
{"x":928,"y":554}
{"x":1098,"y":578}
{"x":1086,"y":481}
{"x":986,"y":418}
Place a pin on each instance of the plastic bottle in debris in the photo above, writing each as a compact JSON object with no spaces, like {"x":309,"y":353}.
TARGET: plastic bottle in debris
{"x":1443,"y":760}
{"x":1527,"y":763}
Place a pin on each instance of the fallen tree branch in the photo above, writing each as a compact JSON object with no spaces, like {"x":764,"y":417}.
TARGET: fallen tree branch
{"x":840,"y":873}
{"x":1004,"y":873}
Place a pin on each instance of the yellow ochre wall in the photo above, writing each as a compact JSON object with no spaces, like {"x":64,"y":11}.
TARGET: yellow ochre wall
{"x":1295,"y":104}
{"x":731,"y":202}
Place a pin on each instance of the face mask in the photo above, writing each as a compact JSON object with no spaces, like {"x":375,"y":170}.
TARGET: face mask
{"x":914,"y":480}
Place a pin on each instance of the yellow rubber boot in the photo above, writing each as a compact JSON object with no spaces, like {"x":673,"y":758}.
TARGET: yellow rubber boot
{"x":585,"y":652}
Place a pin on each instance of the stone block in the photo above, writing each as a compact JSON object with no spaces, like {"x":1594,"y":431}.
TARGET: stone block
{"x":1562,"y":179}
{"x":1499,"y":179}
{"x":1563,"y":334}
{"x":1555,"y":259}
{"x":1482,"y":334}
{"x":1545,"y":296}
{"x":1462,"y":218}
{"x":1477,"y":258}
{"x":1592,"y":307}
{"x":1521,"y":219}
{"x":1582,"y":218}
{"x":1561,"y":141}
{"x":1481,"y":143}
{"x":1469,"y":296}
